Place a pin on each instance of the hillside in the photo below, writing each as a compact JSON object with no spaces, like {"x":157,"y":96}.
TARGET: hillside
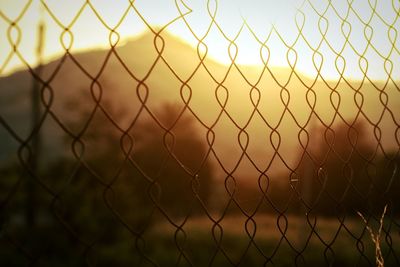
{"x":71,"y":87}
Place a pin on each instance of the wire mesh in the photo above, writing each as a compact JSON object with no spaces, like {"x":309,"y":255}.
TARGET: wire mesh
{"x":149,"y":152}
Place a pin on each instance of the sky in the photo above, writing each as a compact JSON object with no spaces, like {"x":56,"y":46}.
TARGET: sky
{"x":337,"y":36}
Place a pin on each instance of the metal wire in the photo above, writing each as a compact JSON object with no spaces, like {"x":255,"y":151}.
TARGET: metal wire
{"x":153,"y":184}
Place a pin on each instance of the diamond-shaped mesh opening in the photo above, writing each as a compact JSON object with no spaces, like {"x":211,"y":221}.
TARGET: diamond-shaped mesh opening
{"x":199,"y":133}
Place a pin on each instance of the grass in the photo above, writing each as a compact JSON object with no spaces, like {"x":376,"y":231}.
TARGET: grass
{"x":235,"y":241}
{"x":269,"y":241}
{"x":376,"y":237}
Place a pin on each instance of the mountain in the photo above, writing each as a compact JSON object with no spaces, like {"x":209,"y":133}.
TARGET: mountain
{"x":126,"y":75}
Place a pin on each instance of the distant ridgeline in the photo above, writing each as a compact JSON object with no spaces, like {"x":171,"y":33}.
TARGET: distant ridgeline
{"x":285,"y":103}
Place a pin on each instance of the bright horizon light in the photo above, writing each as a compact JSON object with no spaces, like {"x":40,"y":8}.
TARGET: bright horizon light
{"x":266,"y":19}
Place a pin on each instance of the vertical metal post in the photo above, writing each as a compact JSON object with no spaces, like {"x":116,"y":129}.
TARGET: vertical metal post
{"x":31,"y":199}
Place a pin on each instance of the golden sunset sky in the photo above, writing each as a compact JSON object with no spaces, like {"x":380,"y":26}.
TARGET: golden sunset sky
{"x":363,"y":33}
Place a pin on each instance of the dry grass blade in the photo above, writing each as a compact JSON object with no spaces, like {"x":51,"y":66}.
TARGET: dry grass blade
{"x":376,"y":237}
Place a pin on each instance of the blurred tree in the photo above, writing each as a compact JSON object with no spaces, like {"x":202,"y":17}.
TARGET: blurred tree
{"x":173,"y":155}
{"x":335,"y":170}
{"x":386,"y":183}
{"x":166,"y":170}
{"x":107,"y":187}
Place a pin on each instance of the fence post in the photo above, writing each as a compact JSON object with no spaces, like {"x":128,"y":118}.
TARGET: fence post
{"x":31,"y":200}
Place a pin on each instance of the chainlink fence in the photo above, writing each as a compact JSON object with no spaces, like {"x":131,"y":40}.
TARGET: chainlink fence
{"x":151,"y":152}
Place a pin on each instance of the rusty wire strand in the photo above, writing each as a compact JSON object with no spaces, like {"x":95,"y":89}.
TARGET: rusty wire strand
{"x":223,"y":93}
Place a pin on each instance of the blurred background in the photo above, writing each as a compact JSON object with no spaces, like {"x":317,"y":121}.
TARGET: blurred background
{"x":199,"y":133}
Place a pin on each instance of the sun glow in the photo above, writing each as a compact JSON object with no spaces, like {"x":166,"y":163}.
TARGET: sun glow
{"x":310,"y":36}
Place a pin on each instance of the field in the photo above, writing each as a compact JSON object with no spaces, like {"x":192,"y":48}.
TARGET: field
{"x":265,"y":241}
